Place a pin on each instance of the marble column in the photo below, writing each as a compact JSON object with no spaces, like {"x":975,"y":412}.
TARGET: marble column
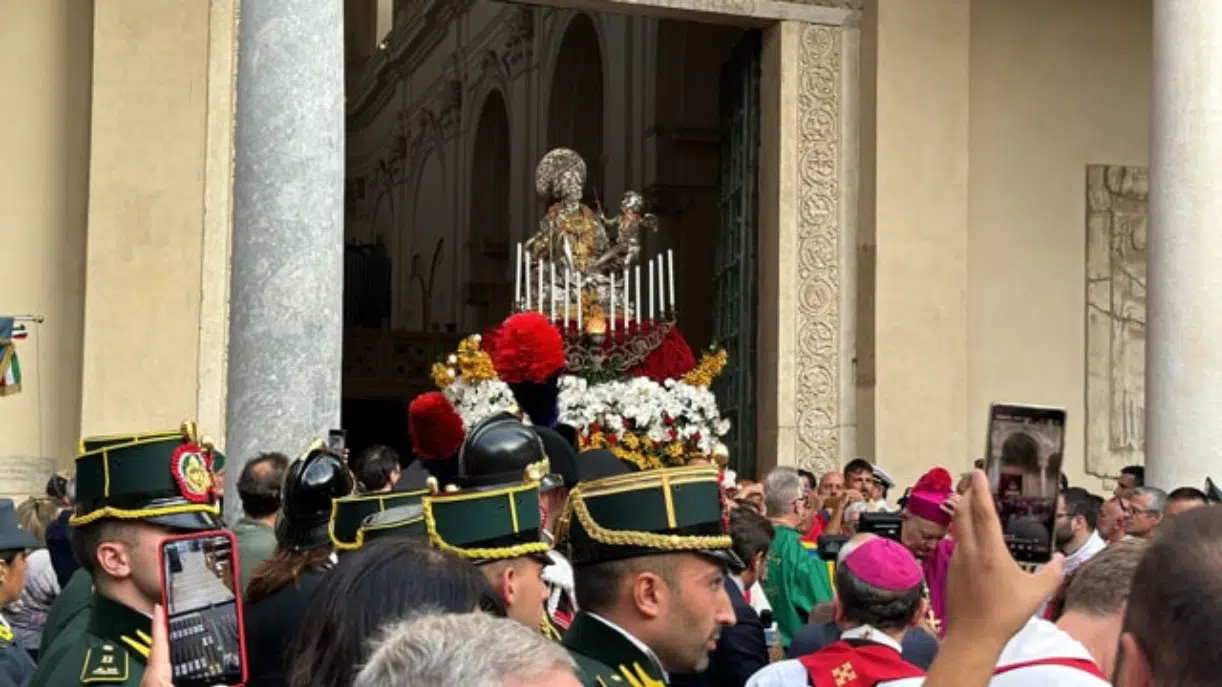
{"x":1183,"y":355}
{"x":286,"y":299}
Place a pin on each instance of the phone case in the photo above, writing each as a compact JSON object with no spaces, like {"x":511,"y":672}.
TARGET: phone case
{"x":237,"y":590}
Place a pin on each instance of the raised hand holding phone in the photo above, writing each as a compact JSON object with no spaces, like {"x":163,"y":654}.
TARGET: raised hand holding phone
{"x":158,"y":672}
{"x":1023,"y":462}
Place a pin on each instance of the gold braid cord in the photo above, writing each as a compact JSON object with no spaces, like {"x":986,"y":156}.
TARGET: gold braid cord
{"x":501,"y":554}
{"x":650,"y":540}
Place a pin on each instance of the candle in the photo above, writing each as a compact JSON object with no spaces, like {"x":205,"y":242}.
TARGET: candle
{"x":551,"y":293}
{"x":526,"y":277}
{"x":670,"y":274}
{"x":612,"y":292}
{"x":579,"y":299}
{"x":517,"y":279}
{"x":541,"y":310}
{"x":661,"y":287}
{"x":637,"y":270}
{"x":566,"y":300}
{"x":651,"y":291}
{"x":627,"y":298}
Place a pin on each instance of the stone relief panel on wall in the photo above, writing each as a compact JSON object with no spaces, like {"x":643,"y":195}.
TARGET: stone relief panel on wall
{"x":1116,"y":222}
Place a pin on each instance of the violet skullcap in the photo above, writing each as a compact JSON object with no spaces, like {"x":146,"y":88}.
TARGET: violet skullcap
{"x":884,"y":564}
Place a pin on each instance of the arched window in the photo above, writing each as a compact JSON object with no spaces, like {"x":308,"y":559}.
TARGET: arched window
{"x":575,"y":109}
{"x":489,"y":292}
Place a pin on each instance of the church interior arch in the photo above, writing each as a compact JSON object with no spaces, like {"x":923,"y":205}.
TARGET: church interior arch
{"x":575,"y":106}
{"x":488,"y":288}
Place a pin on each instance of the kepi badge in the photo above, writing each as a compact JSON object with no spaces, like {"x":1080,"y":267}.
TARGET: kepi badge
{"x":191,"y":466}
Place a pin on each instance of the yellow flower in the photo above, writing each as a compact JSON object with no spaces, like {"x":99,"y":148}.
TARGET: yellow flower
{"x":442,"y":375}
{"x":629,"y":440}
{"x":711,"y":365}
{"x":474,"y":364}
{"x":674,"y":450}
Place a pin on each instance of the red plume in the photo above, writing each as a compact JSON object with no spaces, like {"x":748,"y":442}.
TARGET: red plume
{"x":528,"y":348}
{"x":436,"y":430}
{"x":937,"y":480}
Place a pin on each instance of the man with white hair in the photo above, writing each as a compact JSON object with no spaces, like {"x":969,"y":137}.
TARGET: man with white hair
{"x":1146,"y":507}
{"x":473,"y":650}
{"x":796,"y":581}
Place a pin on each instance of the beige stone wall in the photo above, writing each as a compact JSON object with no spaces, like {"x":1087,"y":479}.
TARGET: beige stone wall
{"x":157,"y":260}
{"x":45,"y":50}
{"x":1056,"y":86}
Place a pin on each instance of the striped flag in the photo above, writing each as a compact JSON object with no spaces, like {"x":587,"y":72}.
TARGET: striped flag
{"x":10,"y":367}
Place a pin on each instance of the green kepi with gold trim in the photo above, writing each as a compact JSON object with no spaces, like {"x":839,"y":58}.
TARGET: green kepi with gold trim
{"x":160,"y":477}
{"x":349,"y":514}
{"x":650,"y":513}
{"x":400,"y":521}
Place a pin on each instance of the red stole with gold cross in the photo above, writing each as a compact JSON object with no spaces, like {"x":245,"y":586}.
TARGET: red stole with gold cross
{"x":856,"y":663}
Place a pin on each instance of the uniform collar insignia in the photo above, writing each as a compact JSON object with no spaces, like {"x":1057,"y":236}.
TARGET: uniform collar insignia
{"x":111,"y":620}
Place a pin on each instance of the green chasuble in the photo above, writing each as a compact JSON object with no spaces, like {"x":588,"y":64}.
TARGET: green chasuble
{"x":795,"y":584}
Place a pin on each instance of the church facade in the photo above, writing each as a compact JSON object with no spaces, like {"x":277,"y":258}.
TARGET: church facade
{"x":928,"y":206}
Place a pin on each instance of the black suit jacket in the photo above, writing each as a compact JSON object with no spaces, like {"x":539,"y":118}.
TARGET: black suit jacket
{"x":740,"y":652}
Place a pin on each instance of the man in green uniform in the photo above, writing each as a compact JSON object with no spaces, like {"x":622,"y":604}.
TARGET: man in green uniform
{"x":649,"y":552}
{"x":129,"y":496}
{"x":490,"y":515}
{"x":70,"y":612}
{"x":796,"y":581}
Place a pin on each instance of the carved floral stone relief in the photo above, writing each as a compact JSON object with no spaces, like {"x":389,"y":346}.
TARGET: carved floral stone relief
{"x":818,"y":248}
{"x":1116,"y":222}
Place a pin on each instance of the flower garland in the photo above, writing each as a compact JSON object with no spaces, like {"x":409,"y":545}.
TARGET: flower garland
{"x":641,"y":421}
{"x":469,"y":382}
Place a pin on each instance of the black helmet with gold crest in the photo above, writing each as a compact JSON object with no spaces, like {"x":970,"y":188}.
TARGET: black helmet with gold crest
{"x":312,"y":482}
{"x":161,"y":477}
{"x":502,"y":449}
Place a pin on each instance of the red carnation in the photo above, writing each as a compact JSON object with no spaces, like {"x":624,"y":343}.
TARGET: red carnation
{"x":527,"y":349}
{"x":612,"y":440}
{"x":937,"y":480}
{"x":436,"y":430}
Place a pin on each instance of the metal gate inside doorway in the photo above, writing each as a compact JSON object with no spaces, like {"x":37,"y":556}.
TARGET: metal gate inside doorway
{"x":735,"y":266}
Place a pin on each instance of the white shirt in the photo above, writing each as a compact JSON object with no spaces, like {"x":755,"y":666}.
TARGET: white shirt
{"x":635,"y":642}
{"x":791,"y":673}
{"x":1041,"y":640}
{"x":1093,"y":545}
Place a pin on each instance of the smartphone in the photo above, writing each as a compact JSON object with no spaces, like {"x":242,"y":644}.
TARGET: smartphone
{"x":829,"y":546}
{"x":885,"y":525}
{"x":203,"y":604}
{"x":1023,"y":462}
{"x":337,"y":441}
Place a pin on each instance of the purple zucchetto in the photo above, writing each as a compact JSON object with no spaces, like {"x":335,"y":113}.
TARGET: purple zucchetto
{"x":884,"y":564}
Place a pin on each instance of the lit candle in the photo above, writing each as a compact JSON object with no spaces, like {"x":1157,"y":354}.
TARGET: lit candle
{"x":526,"y":277}
{"x":637,"y":271}
{"x":517,"y":279}
{"x":651,"y":291}
{"x":566,"y":300}
{"x":551,"y":293}
{"x":670,"y":274}
{"x":579,"y":299}
{"x":612,"y":292}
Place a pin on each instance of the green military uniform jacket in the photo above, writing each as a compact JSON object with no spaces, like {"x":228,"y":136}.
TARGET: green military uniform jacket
{"x":112,"y":650}
{"x":795,"y":584}
{"x":607,"y":658}
{"x":70,"y":612}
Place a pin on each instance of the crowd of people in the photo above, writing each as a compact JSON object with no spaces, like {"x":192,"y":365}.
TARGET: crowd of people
{"x":534,"y":563}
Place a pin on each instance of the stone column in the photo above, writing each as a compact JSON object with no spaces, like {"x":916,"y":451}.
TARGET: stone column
{"x":1183,"y":357}
{"x":286,"y":302}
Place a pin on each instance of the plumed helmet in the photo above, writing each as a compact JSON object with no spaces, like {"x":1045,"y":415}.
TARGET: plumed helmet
{"x":501,"y":450}
{"x":310,"y":484}
{"x":1212,"y":492}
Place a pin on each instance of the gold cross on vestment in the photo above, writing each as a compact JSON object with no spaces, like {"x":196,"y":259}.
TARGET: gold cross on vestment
{"x":844,"y":674}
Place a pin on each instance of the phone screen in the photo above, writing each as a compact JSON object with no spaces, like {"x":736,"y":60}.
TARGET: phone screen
{"x":337,"y":441}
{"x":203,"y":605}
{"x":1024,"y":465}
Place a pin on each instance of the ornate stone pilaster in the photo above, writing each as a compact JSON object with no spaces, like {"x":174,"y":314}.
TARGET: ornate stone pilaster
{"x":807,"y":246}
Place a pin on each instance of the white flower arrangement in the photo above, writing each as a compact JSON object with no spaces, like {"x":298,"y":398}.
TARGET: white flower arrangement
{"x":640,"y":420}
{"x":475,"y":402}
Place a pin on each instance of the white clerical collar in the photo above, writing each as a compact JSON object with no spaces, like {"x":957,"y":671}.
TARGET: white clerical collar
{"x":870,"y":634}
{"x":635,"y":642}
